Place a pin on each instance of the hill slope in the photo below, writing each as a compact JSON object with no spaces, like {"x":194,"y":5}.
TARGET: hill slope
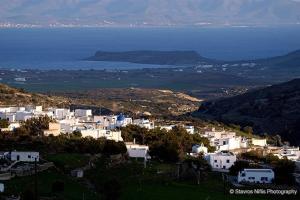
{"x":18,"y":97}
{"x":273,"y":110}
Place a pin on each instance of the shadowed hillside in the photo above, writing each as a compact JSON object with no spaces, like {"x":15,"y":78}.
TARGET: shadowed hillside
{"x":273,"y":110}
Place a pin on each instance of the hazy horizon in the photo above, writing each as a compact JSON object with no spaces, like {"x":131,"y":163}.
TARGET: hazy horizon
{"x":150,"y":12}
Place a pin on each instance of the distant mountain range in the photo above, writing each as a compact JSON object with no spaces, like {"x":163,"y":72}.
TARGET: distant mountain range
{"x":272,"y":110}
{"x":150,"y":12}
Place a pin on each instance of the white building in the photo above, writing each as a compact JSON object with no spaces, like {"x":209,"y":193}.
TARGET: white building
{"x":190,"y":129}
{"x":23,"y":115}
{"x":221,"y":160}
{"x":62,"y":113}
{"x":144,"y":123}
{"x":98,"y":133}
{"x":137,"y":151}
{"x":24,"y":156}
{"x":291,"y":153}
{"x":226,"y":144}
{"x":199,"y":149}
{"x":123,"y":121}
{"x":256,"y":175}
{"x":259,"y":142}
{"x":83,"y":113}
{"x":11,"y":117}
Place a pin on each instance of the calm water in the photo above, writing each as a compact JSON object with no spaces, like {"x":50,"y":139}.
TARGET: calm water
{"x":65,"y":48}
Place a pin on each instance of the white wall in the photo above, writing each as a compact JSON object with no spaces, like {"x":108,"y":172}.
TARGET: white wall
{"x":256,"y":175}
{"x":24,"y":156}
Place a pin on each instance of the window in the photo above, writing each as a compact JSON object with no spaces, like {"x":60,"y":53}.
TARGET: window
{"x":29,"y":156}
{"x":216,"y":161}
{"x":251,"y":178}
{"x":224,"y":142}
{"x":264,"y":178}
{"x":224,"y":167}
{"x":228,"y":161}
{"x":243,"y":175}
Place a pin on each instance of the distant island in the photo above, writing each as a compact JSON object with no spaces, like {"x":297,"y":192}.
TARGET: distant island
{"x":151,"y":57}
{"x":187,"y":58}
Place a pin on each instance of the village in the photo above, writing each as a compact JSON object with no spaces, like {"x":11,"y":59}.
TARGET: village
{"x":224,"y":151}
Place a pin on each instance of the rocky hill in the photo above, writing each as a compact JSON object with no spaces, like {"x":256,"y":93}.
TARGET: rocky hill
{"x":272,"y":110}
{"x":18,"y":97}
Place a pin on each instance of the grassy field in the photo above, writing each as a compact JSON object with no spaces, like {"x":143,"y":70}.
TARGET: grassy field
{"x":68,"y":160}
{"x":137,"y":183}
{"x":73,"y":190}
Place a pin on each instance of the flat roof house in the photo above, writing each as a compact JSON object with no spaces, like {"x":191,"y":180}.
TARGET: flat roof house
{"x":256,"y":176}
{"x":24,"y":156}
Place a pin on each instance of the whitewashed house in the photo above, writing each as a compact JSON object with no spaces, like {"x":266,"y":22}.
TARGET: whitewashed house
{"x":11,"y":117}
{"x":199,"y":149}
{"x":137,"y":151}
{"x":225,"y":144}
{"x":98,"y":133}
{"x":24,"y":156}
{"x":83,"y":113}
{"x":256,"y":176}
{"x":23,"y":115}
{"x":190,"y":129}
{"x":144,"y":123}
{"x":123,"y":121}
{"x":291,"y":153}
{"x":221,"y":160}
{"x":259,"y":142}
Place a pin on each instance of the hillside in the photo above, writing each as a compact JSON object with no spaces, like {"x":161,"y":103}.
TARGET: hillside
{"x":272,"y":110}
{"x":290,"y":60}
{"x":151,"y":57}
{"x":18,"y":97}
{"x":106,"y":101}
{"x":136,"y":100}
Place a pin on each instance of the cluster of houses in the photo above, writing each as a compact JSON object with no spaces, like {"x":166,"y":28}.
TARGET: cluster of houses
{"x":81,"y":120}
{"x":228,"y":145}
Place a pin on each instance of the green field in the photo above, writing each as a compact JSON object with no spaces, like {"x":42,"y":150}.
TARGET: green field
{"x":73,"y":190}
{"x":68,"y":160}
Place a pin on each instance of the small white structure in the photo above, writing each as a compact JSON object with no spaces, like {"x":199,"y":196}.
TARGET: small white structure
{"x":78,"y":173}
{"x":256,"y":175}
{"x":123,"y":121}
{"x":144,"y":123}
{"x":190,"y":129}
{"x":221,"y":160}
{"x":137,"y":151}
{"x":24,"y":156}
{"x":1,"y":187}
{"x":291,"y":153}
{"x":259,"y":142}
{"x":11,"y":117}
{"x":98,"y":133}
{"x":83,"y":112}
{"x":226,"y":144}
{"x":199,"y":149}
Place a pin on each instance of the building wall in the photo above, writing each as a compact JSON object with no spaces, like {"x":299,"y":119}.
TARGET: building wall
{"x":24,"y":156}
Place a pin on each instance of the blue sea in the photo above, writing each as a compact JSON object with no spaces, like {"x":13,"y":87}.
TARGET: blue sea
{"x":65,"y":48}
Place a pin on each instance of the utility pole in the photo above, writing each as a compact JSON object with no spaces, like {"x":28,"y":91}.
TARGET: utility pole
{"x":35,"y":180}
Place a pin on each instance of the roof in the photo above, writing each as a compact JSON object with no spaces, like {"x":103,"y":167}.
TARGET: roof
{"x":259,"y":170}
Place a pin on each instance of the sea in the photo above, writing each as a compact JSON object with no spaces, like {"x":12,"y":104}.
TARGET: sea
{"x":66,"y":48}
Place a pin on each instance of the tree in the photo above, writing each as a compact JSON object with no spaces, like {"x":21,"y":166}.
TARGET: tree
{"x":248,"y":129}
{"x":58,"y":186}
{"x":4,"y":123}
{"x":238,"y":166}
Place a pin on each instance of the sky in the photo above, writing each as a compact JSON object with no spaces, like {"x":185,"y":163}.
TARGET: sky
{"x":150,"y":12}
